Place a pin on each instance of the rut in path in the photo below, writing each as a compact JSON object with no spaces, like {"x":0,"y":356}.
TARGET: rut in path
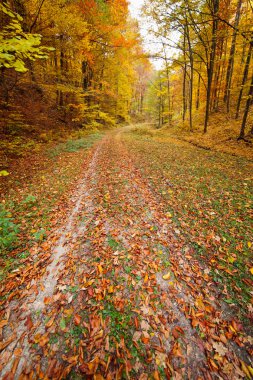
{"x":103,"y":309}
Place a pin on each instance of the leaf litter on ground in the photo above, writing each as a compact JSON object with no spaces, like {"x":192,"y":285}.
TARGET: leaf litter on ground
{"x":137,"y":294}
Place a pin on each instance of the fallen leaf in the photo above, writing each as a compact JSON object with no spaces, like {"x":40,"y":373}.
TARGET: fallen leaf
{"x":3,"y":345}
{"x":50,"y":322}
{"x":77,"y":319}
{"x":29,"y":322}
{"x":166,"y":276}
{"x":220,"y":348}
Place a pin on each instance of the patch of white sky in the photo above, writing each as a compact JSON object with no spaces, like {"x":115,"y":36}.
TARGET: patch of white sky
{"x":151,"y":44}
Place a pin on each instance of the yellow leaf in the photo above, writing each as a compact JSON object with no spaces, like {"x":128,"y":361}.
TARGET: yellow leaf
{"x":251,"y":270}
{"x":146,"y":278}
{"x":100,"y":269}
{"x":3,"y":173}
{"x":245,"y":369}
{"x":199,"y":303}
{"x":110,"y":289}
{"x":249,"y":244}
{"x":166,"y":276}
{"x":232,"y":329}
{"x":250,"y":369}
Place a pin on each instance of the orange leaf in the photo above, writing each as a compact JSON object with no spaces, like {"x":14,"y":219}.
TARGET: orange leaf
{"x":29,"y":322}
{"x":145,"y":340}
{"x":50,"y":322}
{"x":3,"y":323}
{"x":47,"y":300}
{"x":3,"y":345}
{"x":43,"y":340}
{"x":156,"y":375}
{"x":77,"y":319}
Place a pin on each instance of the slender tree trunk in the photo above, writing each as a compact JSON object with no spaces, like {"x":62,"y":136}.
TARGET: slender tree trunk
{"x":141,"y":103}
{"x":224,"y":59}
{"x":169,"y":100}
{"x":246,"y":111}
{"x":191,"y":73}
{"x":198,"y":90}
{"x":31,"y":69}
{"x":231,"y":58}
{"x":168,"y":85}
{"x":168,"y":92}
{"x":210,"y":67}
{"x":184,"y":81}
{"x":4,"y":86}
{"x":36,"y":16}
{"x":245,"y":76}
{"x":160,"y":105}
{"x":217,"y":84}
{"x":159,"y":112}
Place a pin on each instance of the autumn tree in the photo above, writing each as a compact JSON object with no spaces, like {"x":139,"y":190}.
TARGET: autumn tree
{"x":210,"y":37}
{"x":92,"y":69}
{"x":17,"y":47}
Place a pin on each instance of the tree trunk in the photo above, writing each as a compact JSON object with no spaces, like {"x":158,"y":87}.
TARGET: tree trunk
{"x":160,"y":120}
{"x":217,"y":80}
{"x":231,"y":58}
{"x":210,"y":66}
{"x":245,"y":76}
{"x":4,"y":86}
{"x":246,"y":111}
{"x":184,"y":83}
{"x":191,"y":72}
{"x":198,"y":90}
{"x":169,"y":101}
{"x":141,"y":103}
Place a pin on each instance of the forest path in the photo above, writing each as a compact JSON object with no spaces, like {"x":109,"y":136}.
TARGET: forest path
{"x":124,"y":296}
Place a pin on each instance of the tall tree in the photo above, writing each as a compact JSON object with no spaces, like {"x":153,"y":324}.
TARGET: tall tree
{"x":232,"y":57}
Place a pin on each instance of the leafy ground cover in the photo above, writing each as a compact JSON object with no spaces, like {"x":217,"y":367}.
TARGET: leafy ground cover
{"x":134,"y":286}
{"x":35,"y":205}
{"x":221,"y":136}
{"x":209,"y":196}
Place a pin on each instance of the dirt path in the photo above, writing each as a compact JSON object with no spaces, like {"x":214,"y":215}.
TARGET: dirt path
{"x":123,"y":296}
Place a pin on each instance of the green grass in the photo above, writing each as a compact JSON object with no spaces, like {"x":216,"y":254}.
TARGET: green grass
{"x":74,"y":145}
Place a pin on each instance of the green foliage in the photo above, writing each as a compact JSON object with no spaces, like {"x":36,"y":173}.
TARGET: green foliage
{"x":39,"y":235}
{"x":8,"y":229}
{"x":119,"y":322}
{"x":29,"y":200}
{"x":72,"y":146}
{"x":62,"y":324}
{"x":16,"y":46}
